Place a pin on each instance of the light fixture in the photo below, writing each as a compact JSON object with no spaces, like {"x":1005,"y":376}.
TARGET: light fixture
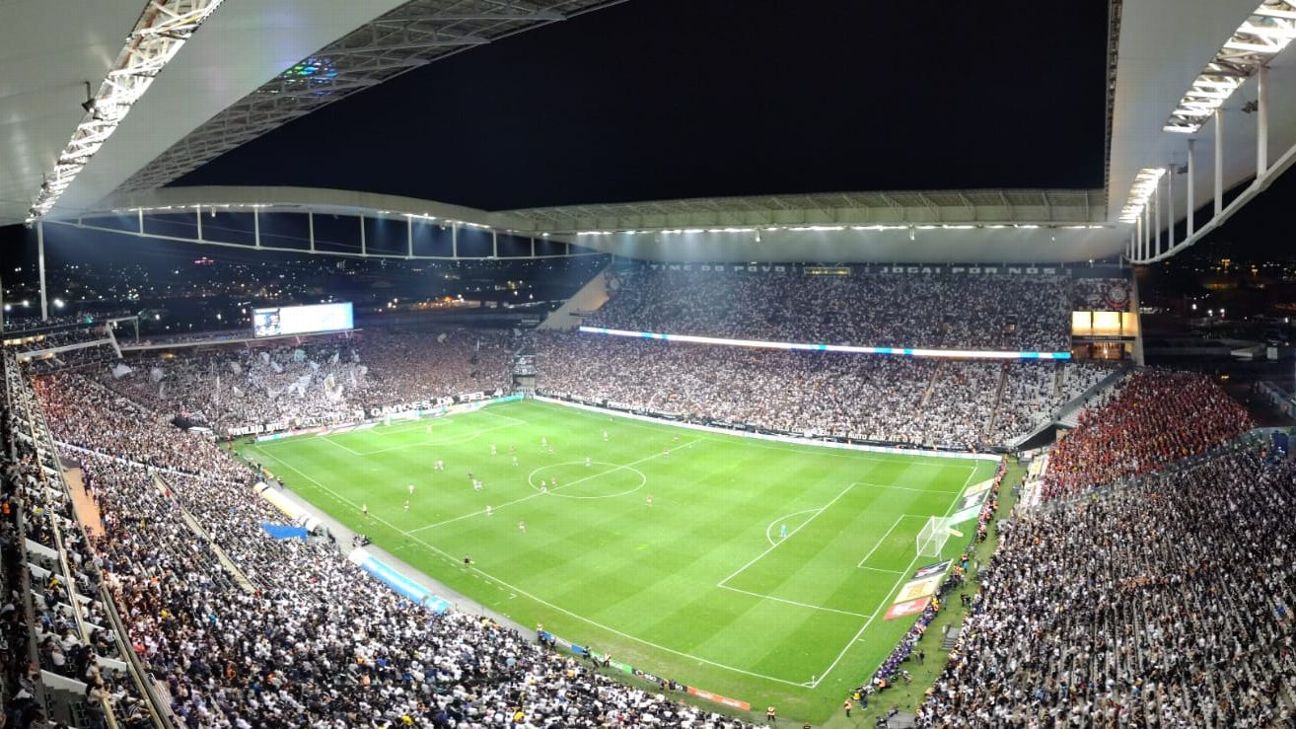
{"x":1263,"y":35}
{"x":158,"y":35}
{"x":1145,"y":183}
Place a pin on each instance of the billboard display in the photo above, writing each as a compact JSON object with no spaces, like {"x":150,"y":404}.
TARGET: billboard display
{"x":281,"y":320}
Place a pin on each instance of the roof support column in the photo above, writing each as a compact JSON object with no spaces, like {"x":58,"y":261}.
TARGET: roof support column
{"x":1147,"y":231}
{"x":1192,"y":184}
{"x":1170,"y":218}
{"x":40,"y":264}
{"x":256,"y":225}
{"x":1219,"y":161}
{"x":1262,"y":121}
{"x":364,"y":248}
{"x":198,"y":219}
{"x":1156,"y":220}
{"x":494,"y":244}
{"x":1137,"y":243}
{"x":310,"y":229}
{"x":454,"y":241}
{"x":409,"y":237}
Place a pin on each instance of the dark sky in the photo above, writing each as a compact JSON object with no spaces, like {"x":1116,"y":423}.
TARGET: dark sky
{"x":685,"y":98}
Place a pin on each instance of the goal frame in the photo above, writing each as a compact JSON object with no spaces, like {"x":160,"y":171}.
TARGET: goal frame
{"x":931,"y":539}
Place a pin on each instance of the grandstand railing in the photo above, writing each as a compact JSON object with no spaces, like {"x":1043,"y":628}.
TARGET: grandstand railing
{"x":51,"y":477}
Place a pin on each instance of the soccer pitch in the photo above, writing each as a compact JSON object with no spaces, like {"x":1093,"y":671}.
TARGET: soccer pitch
{"x":665,"y":551}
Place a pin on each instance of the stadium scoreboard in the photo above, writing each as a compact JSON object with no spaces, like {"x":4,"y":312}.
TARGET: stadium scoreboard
{"x":280,"y":320}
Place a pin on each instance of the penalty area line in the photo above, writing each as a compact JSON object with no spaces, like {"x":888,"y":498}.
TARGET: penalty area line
{"x":885,"y":598}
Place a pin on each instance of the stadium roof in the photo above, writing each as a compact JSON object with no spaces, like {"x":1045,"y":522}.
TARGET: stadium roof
{"x":944,"y":226}
{"x":293,"y":57}
{"x":245,"y":68}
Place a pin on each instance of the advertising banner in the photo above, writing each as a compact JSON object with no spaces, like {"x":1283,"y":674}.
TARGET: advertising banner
{"x":909,"y":607}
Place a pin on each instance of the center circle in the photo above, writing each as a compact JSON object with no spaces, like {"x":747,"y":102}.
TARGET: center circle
{"x":574,"y":475}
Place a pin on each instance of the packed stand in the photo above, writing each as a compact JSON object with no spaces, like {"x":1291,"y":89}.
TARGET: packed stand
{"x":315,"y":641}
{"x":1152,"y":418}
{"x":1165,"y":602}
{"x":952,"y":311}
{"x":336,"y":380}
{"x":922,"y":402}
{"x":75,"y":643}
{"x":84,"y":414}
{"x":1033,"y":393}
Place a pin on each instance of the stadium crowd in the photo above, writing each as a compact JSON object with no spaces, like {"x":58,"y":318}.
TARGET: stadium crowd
{"x":960,"y":311}
{"x":1164,"y":602}
{"x":1153,"y":418}
{"x":83,"y":414}
{"x":898,"y":400}
{"x":36,"y":524}
{"x":294,"y":634}
{"x":334,"y":380}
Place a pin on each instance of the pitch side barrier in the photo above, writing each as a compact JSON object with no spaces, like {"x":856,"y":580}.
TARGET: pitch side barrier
{"x":794,"y":440}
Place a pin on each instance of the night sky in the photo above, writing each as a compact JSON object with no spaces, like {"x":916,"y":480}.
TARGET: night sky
{"x":687,"y":98}
{"x":658,"y":99}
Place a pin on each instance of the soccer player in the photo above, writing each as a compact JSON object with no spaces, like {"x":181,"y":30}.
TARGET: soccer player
{"x":411,"y":489}
{"x":605,"y":437}
{"x":364,"y":509}
{"x":515,"y":461}
{"x":649,"y":501}
{"x":544,"y":441}
{"x":489,"y":510}
{"x":406,"y":504}
{"x":783,"y":532}
{"x":543,"y":489}
{"x":477,"y":485}
{"x":522,"y":527}
{"x":588,"y":462}
{"x":493,"y":449}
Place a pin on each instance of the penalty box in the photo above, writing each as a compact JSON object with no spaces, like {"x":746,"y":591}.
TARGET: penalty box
{"x":845,"y":556}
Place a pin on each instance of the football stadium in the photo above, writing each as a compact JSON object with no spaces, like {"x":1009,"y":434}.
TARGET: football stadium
{"x":544,"y":363}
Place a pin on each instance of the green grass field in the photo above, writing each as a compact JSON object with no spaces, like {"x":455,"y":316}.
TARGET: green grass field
{"x":698,"y":585}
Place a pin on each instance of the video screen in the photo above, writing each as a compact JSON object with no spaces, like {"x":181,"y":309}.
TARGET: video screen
{"x":301,"y":319}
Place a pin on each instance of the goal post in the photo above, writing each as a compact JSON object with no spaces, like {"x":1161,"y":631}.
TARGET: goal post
{"x":931,"y":540}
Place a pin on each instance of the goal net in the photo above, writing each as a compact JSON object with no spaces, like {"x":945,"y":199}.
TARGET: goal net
{"x":932,"y":538}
